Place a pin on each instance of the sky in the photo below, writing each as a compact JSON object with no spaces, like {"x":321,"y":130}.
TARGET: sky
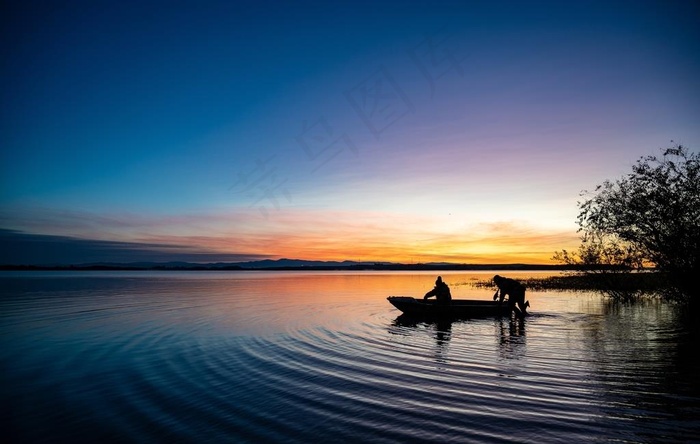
{"x":372,"y":131}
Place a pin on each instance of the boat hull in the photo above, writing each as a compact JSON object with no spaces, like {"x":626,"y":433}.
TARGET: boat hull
{"x":457,"y":309}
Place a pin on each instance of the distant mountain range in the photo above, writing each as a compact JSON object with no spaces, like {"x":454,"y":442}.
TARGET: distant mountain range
{"x":282,"y":264}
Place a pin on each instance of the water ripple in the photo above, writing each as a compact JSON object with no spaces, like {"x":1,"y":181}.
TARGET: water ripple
{"x":190,"y":365}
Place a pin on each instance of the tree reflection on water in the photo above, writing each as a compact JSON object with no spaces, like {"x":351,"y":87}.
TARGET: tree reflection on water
{"x":640,"y":359}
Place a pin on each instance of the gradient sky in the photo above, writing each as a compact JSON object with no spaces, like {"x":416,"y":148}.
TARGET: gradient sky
{"x":411,"y":132}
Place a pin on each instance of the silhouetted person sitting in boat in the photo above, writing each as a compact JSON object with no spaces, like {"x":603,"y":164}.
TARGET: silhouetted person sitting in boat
{"x":441,"y":292}
{"x":515,"y":291}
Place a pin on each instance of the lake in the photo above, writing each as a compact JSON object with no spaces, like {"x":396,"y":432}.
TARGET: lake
{"x":302,"y":357}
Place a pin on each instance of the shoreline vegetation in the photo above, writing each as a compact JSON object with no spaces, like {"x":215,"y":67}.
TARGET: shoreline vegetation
{"x":649,"y":216}
{"x":619,"y":285}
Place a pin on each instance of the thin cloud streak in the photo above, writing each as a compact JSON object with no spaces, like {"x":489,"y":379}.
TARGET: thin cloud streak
{"x":33,"y":249}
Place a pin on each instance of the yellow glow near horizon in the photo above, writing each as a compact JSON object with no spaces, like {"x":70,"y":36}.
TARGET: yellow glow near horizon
{"x":372,"y":236}
{"x":376,"y":237}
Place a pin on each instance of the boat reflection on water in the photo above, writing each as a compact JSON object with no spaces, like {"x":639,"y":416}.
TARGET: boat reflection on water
{"x":509,"y":333}
{"x":509,"y":329}
{"x":441,"y":330}
{"x":443,"y":327}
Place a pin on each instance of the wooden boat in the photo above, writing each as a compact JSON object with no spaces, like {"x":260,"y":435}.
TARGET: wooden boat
{"x":458,"y":308}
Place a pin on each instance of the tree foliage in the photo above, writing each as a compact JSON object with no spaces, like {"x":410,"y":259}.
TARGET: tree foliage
{"x":649,"y":217}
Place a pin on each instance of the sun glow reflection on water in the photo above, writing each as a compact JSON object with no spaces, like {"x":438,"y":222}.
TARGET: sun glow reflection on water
{"x":308,"y":356}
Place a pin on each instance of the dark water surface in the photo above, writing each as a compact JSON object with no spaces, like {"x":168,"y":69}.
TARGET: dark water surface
{"x":322,"y":357}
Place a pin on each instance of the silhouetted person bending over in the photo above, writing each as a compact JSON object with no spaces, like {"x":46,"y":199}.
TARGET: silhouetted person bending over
{"x":515,"y":291}
{"x":441,"y":292}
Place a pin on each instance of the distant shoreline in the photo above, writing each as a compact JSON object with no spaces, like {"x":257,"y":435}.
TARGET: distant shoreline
{"x":224,"y":267}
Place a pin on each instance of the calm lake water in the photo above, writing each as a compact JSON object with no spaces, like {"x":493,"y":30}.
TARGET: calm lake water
{"x":323,"y":357}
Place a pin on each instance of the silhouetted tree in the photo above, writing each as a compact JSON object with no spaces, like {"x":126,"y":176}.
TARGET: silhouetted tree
{"x":649,"y":217}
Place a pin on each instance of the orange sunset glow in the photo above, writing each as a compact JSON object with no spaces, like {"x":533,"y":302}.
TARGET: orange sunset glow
{"x":463,"y":136}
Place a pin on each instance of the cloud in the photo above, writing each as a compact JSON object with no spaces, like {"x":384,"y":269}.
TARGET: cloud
{"x":20,"y":248}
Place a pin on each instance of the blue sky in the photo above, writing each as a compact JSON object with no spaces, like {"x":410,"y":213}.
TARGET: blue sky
{"x":459,"y":131}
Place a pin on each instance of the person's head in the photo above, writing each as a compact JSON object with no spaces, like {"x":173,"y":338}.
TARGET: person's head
{"x":497,"y":279}
{"x":438,"y":280}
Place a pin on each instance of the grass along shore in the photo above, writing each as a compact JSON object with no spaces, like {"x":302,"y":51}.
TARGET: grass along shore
{"x":622,"y":285}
